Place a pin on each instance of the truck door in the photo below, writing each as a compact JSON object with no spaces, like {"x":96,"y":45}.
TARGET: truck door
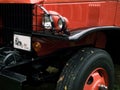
{"x":117,"y":18}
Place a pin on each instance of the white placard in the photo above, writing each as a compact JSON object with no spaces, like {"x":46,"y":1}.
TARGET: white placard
{"x":22,"y":42}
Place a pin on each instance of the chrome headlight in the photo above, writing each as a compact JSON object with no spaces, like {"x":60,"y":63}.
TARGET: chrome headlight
{"x":46,"y":22}
{"x":61,"y":23}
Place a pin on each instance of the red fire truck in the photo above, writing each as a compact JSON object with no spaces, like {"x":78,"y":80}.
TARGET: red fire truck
{"x":71,"y":43}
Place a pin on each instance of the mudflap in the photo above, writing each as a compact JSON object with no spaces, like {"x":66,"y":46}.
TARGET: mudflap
{"x":11,"y":80}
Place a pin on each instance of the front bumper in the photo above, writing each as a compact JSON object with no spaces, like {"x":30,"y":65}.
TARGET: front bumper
{"x":11,"y":81}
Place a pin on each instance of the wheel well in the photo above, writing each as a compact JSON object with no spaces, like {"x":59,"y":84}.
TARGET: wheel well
{"x":113,"y":45}
{"x":106,"y":37}
{"x":109,"y":40}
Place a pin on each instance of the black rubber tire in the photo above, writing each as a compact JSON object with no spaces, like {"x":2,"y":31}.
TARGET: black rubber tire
{"x":80,"y":66}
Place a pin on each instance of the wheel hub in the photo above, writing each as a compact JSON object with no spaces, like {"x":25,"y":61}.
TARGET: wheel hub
{"x":103,"y":87}
{"x":96,"y":81}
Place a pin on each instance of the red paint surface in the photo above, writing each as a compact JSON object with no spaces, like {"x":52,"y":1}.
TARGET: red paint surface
{"x":117,"y":19}
{"x":85,"y":14}
{"x":20,"y":1}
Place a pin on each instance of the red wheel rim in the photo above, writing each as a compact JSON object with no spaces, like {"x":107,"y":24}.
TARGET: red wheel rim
{"x":97,"y":80}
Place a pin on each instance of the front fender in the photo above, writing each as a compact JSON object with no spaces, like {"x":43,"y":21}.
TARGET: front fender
{"x":75,"y":36}
{"x":78,"y":34}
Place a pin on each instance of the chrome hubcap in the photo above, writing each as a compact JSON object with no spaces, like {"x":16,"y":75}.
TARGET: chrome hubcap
{"x":103,"y":87}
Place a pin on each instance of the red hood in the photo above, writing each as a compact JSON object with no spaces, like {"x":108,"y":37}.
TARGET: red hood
{"x":59,"y":1}
{"x":21,"y":1}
